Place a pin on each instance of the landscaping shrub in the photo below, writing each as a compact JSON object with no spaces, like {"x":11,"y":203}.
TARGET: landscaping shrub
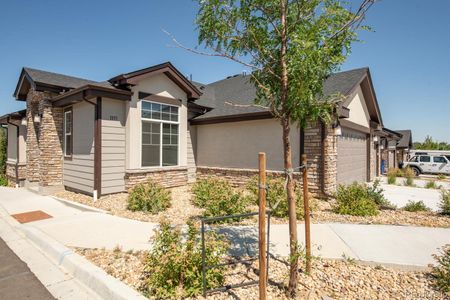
{"x":276,"y":193}
{"x":392,"y":175}
{"x":441,"y":177}
{"x":355,"y":200}
{"x":148,"y":197}
{"x":441,"y":271}
{"x":431,"y":185}
{"x":409,"y":175}
{"x":444,"y":205}
{"x":375,"y":192}
{"x":218,"y":198}
{"x":3,"y":180}
{"x":173,"y":267}
{"x":415,"y":206}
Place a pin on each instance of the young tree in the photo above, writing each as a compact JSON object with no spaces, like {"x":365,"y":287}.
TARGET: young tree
{"x":291,"y":47}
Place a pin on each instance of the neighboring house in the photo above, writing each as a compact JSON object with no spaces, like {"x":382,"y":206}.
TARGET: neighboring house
{"x":404,"y":145}
{"x":389,"y":141}
{"x":104,"y":137}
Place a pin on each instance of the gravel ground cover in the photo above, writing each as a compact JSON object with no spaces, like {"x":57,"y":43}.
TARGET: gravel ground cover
{"x":338,"y":279}
{"x":182,"y":209}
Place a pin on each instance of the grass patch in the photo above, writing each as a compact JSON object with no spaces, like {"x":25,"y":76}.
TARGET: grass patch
{"x":431,"y":185}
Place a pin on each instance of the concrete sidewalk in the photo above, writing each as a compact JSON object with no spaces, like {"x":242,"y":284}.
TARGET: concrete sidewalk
{"x":72,"y":226}
{"x":401,"y":195}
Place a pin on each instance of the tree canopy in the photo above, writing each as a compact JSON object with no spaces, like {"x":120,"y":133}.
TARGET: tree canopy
{"x":430,"y":144}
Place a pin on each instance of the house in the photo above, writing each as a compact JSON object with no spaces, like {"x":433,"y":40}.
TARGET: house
{"x":104,"y":137}
{"x":389,"y":141}
{"x":404,"y":145}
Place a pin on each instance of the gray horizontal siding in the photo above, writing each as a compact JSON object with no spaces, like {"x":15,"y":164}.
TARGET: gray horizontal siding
{"x":78,"y":172}
{"x":113,"y":146}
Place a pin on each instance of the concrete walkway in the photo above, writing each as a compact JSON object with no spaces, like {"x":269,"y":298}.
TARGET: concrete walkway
{"x":401,"y":195}
{"x":81,"y":227}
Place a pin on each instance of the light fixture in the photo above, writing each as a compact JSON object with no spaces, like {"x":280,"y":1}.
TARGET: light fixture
{"x":37,"y":119}
{"x":23,"y":122}
{"x":375,"y":138}
{"x":337,"y":128}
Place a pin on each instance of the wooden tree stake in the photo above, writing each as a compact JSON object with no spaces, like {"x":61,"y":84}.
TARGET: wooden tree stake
{"x":307,"y":215}
{"x":262,"y":227}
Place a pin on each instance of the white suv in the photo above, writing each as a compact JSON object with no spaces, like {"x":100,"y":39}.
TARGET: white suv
{"x":424,"y":163}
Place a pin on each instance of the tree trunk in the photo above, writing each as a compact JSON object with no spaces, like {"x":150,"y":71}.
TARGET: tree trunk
{"x":293,"y":241}
{"x":285,"y":123}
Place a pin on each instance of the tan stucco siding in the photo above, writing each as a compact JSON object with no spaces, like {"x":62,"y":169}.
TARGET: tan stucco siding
{"x":12,"y":144}
{"x":113,"y":146}
{"x":78,"y":173}
{"x":237,"y":144}
{"x":22,"y":144}
{"x":359,"y":113}
{"x":159,"y":85}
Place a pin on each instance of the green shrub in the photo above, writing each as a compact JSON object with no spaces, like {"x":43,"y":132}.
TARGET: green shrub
{"x":431,"y":185}
{"x":441,"y":271}
{"x":218,"y":198}
{"x":415,"y":206}
{"x":173,"y":268}
{"x":3,"y":180}
{"x":396,"y":172}
{"x":276,"y":193}
{"x":441,"y":177}
{"x":375,"y":192}
{"x":148,"y":197}
{"x":392,"y":179}
{"x":409,"y":175}
{"x":355,"y":200}
{"x":444,"y":205}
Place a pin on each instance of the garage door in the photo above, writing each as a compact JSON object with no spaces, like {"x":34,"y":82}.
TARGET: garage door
{"x":352,"y":157}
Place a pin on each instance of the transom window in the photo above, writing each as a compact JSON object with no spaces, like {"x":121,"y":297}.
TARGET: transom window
{"x":68,"y":126}
{"x":159,"y":134}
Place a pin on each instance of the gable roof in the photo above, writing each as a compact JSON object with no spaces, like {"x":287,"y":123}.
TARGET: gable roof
{"x":44,"y":80}
{"x":167,"y":69}
{"x":406,"y":140}
{"x":238,"y":89}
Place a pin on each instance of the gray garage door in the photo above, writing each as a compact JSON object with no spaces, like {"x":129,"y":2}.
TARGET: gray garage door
{"x":352,"y":157}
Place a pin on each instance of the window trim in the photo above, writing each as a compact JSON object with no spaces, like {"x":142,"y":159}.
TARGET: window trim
{"x":68,"y":110}
{"x":160,"y":122}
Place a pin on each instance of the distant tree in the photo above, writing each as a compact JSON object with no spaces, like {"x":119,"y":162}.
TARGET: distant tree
{"x":430,"y":144}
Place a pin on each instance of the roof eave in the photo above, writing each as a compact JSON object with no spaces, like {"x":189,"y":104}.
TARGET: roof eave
{"x":88,"y":92}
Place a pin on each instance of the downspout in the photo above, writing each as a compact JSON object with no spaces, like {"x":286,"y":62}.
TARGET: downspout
{"x":97,"y":147}
{"x":17,"y":149}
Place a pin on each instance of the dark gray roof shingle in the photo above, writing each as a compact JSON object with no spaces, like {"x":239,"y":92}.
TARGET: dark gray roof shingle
{"x":239,"y":90}
{"x":56,"y":79}
{"x":406,"y":140}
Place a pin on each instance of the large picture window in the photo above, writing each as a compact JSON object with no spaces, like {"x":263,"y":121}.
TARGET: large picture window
{"x":68,"y":127}
{"x":159,"y":134}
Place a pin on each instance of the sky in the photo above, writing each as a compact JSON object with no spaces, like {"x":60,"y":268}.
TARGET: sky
{"x":408,"y":52}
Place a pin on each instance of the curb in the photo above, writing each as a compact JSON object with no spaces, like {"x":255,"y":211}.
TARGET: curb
{"x":93,"y":277}
{"x":80,"y":205}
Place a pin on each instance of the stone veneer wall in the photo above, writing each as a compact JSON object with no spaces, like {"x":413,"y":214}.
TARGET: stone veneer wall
{"x":44,"y":140}
{"x":11,"y":173}
{"x":167,"y":178}
{"x":330,"y":172}
{"x":236,"y":177}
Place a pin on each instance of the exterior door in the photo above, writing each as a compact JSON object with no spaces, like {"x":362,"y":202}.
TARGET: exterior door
{"x":352,"y":160}
{"x":425,"y":163}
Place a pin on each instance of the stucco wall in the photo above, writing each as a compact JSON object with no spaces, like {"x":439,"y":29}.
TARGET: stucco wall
{"x":78,"y":172}
{"x":113,"y":146}
{"x":12,"y":143}
{"x":359,"y":113}
{"x":160,"y":85}
{"x":237,"y":144}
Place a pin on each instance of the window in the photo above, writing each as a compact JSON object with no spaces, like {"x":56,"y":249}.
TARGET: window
{"x":425,"y":159}
{"x":439,"y":159}
{"x":414,"y":159}
{"x":68,"y":127}
{"x":159,"y":134}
